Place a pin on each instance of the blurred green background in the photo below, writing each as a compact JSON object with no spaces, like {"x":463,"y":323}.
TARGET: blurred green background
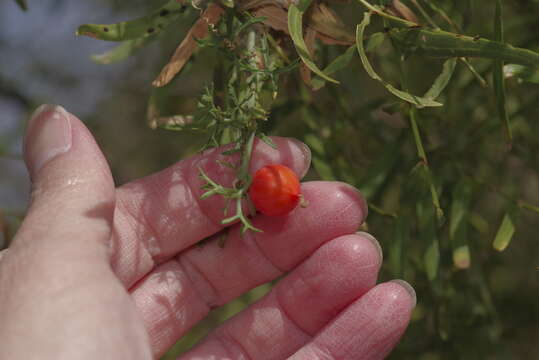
{"x":487,"y":309}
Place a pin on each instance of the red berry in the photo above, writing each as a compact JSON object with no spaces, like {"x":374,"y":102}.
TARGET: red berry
{"x":275,"y":190}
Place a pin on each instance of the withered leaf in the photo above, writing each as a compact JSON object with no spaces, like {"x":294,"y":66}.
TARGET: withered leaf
{"x":329,"y":26}
{"x":199,"y":30}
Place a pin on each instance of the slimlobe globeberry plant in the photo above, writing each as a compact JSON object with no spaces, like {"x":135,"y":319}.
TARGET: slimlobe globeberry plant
{"x":433,"y":142}
{"x":252,"y":40}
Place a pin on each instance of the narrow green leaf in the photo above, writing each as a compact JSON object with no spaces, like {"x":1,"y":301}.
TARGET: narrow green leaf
{"x":443,"y":44}
{"x":249,"y":22}
{"x":319,"y":158}
{"x":432,"y":259}
{"x":522,"y":73}
{"x":266,"y":139}
{"x":337,"y":64}
{"x":425,"y":165}
{"x":443,"y":79}
{"x":378,"y":10}
{"x":138,"y":28}
{"x":499,"y":83}
{"x":377,"y":174}
{"x":505,"y":233}
{"x":122,"y":51}
{"x":460,"y":203}
{"x":528,"y":206}
{"x":416,"y":100}
{"x":478,"y":223}
{"x":22,"y":4}
{"x":295,"y":27}
{"x":398,"y":244}
{"x":375,"y":40}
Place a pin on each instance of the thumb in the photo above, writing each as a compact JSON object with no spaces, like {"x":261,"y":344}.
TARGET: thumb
{"x":72,"y":198}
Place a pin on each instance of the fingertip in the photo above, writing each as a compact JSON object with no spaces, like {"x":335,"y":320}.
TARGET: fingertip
{"x":409,"y":290}
{"x":374,"y":243}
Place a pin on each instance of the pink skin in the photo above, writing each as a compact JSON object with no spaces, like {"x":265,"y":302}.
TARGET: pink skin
{"x":101,"y":273}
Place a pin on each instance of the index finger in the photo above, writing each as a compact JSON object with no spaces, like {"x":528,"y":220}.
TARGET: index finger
{"x":159,"y":216}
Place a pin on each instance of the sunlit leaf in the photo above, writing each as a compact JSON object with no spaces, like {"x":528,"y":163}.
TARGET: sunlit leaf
{"x":138,"y":28}
{"x":123,"y":51}
{"x":505,"y":233}
{"x":522,"y":73}
{"x":460,"y":203}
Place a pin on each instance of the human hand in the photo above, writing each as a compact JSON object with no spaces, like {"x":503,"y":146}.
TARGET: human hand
{"x":101,"y":273}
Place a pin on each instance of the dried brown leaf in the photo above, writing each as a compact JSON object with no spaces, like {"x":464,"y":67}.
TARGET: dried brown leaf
{"x":330,"y":27}
{"x":199,"y":30}
{"x":404,"y":11}
{"x":276,"y":17}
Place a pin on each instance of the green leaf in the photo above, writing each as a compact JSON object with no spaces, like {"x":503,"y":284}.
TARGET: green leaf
{"x":122,"y":51}
{"x":319,"y":157}
{"x":375,"y":40}
{"x":22,"y":4}
{"x":416,"y":100}
{"x":443,"y":79}
{"x":249,"y":22}
{"x":377,"y":174}
{"x":522,"y":73}
{"x":461,"y":199}
{"x":138,"y":28}
{"x":432,"y":259}
{"x":424,"y":163}
{"x":499,"y":84}
{"x":505,"y":233}
{"x":266,"y":139}
{"x":337,"y":64}
{"x":443,"y":44}
{"x":295,"y":27}
{"x":400,"y":240}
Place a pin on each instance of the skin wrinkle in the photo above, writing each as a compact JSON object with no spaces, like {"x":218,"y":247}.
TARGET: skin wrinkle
{"x":229,"y":343}
{"x":120,"y":262}
{"x":267,"y":323}
{"x":288,"y":316}
{"x":209,"y":299}
{"x":311,"y":350}
{"x":125,"y":210}
{"x":250,"y":239}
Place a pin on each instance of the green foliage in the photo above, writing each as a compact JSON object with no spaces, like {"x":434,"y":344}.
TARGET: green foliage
{"x":145,"y":26}
{"x":295,"y":27}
